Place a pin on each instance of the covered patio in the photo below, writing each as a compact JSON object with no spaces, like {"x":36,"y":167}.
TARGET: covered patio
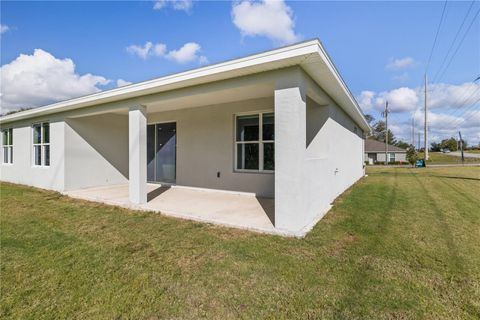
{"x":247,"y":148}
{"x":183,"y":152}
{"x":231,"y":209}
{"x":264,"y":142}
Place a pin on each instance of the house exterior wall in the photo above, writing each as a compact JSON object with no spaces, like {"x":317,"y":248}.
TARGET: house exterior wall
{"x":205,"y":146}
{"x":23,"y":170}
{"x":84,"y":152}
{"x":380,"y":156}
{"x":323,"y":147}
{"x":333,"y":159}
{"x":96,"y":151}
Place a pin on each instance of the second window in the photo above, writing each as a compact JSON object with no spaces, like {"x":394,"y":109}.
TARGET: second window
{"x":255,"y":142}
{"x":41,"y":144}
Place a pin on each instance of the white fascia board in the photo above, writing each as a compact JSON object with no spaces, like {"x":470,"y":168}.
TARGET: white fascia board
{"x":265,"y":61}
{"x":336,"y":87}
{"x":192,"y":77}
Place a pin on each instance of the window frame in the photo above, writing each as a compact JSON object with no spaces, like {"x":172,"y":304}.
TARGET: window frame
{"x":390,"y":157}
{"x":42,"y":144}
{"x":260,"y":142}
{"x":7,"y":147}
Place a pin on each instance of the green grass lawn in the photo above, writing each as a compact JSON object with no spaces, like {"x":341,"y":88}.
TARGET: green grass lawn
{"x":401,"y":244}
{"x":442,"y":158}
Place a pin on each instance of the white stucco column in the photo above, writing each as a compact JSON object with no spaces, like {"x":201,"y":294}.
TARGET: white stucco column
{"x":290,"y":148}
{"x":137,"y":146}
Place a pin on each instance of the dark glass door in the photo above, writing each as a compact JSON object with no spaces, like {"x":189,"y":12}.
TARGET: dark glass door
{"x":161,"y":152}
{"x":151,"y":152}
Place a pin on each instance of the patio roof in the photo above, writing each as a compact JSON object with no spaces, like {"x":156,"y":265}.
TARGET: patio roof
{"x":309,"y":55}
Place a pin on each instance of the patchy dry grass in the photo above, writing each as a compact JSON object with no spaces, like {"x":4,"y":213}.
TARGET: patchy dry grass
{"x":401,"y":244}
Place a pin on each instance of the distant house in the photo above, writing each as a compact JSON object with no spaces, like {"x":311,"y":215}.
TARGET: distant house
{"x":375,"y":152}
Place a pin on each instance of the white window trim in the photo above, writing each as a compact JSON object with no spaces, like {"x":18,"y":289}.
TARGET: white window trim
{"x":41,"y":144}
{"x":390,"y":157}
{"x":8,"y":147}
{"x":260,"y":142}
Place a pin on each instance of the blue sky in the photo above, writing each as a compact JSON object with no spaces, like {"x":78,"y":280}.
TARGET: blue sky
{"x":380,"y":48}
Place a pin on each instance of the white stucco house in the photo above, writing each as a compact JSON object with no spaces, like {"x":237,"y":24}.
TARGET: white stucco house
{"x":279,"y":128}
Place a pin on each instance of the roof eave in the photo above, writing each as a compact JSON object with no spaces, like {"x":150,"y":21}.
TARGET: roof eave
{"x":220,"y":71}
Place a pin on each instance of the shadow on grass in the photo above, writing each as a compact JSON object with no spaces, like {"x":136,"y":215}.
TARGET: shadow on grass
{"x":460,"y":178}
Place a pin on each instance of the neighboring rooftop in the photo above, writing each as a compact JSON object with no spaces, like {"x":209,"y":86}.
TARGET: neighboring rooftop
{"x":378,"y":146}
{"x":310,"y":55}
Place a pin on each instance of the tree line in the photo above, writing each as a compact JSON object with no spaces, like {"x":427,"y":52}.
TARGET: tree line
{"x":378,"y":133}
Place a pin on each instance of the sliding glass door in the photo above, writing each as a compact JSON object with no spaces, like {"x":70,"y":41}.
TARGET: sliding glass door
{"x":161,"y":152}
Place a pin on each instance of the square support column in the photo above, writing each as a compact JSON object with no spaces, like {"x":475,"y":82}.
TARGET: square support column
{"x":137,"y":146}
{"x":290,"y":141}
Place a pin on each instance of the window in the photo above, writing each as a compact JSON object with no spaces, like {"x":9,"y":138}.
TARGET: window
{"x":7,"y":145}
{"x":41,"y":144}
{"x":391,"y":157}
{"x":254,"y":143}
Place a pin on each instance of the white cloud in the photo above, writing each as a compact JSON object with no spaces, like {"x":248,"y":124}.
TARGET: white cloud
{"x":4,"y":28}
{"x":402,"y":63}
{"x":269,"y":18}
{"x":41,"y":78}
{"x":189,"y":52}
{"x":451,"y":107}
{"x":159,"y":50}
{"x":446,"y":125}
{"x":440,"y":126}
{"x":122,"y":83}
{"x":399,"y":100}
{"x":142,"y":52}
{"x":182,"y":5}
{"x":444,"y":95}
{"x":365,"y":100}
{"x":441,"y":95}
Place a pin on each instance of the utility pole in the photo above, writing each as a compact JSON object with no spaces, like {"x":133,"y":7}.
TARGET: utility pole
{"x":385,"y":114}
{"x":426,"y":121}
{"x":461,"y":145}
{"x":413,"y":130}
{"x":418,"y":141}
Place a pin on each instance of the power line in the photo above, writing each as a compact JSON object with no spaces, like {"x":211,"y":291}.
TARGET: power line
{"x":454,"y":40}
{"x":461,"y":122}
{"x":468,"y":106}
{"x":475,"y":89}
{"x":459,"y":45}
{"x":436,"y":35}
{"x":463,"y":104}
{"x":456,"y":122}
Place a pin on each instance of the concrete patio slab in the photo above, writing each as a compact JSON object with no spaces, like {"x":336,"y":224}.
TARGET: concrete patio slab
{"x":232,"y":209}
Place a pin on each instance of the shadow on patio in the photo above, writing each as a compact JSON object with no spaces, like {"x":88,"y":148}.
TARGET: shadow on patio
{"x":230,"y":209}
